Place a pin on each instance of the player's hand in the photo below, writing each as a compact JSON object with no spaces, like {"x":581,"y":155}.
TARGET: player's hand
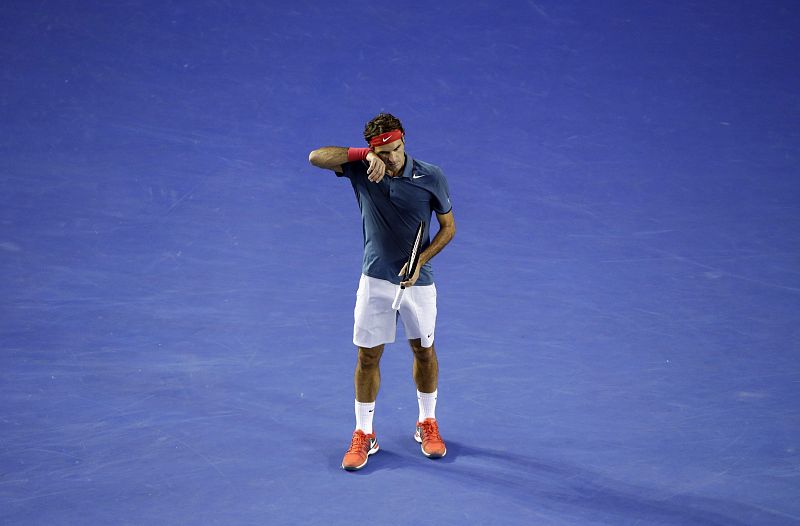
{"x":377,"y":168}
{"x":412,"y":279}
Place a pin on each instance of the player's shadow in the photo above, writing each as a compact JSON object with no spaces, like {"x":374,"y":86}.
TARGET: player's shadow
{"x":383,"y":460}
{"x":556,"y":484}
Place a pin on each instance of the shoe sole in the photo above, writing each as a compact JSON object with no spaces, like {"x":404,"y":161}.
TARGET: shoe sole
{"x":429,"y":455}
{"x":370,"y":452}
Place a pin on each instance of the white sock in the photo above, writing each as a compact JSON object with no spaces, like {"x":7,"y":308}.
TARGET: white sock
{"x":427,"y":405}
{"x":364,"y":412}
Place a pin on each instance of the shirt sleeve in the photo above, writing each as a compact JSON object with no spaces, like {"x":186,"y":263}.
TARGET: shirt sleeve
{"x":347,"y":171}
{"x":441,"y":195}
{"x":351,"y":170}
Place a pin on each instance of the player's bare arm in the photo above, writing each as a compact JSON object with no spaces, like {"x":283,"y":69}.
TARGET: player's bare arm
{"x":333,"y":157}
{"x":447,"y":230}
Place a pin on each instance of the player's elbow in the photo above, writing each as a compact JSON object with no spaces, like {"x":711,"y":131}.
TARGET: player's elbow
{"x":450,"y":223}
{"x":449,"y":230}
{"x":313,"y":157}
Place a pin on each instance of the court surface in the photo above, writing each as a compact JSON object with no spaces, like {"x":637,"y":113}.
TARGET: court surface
{"x":618,"y":312}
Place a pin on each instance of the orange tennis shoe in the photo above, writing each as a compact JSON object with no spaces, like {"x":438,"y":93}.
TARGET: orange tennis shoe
{"x":428,"y":435}
{"x":361,"y":448}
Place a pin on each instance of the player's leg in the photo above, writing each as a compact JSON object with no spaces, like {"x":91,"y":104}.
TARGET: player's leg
{"x":368,"y":373}
{"x":426,"y":366}
{"x":374,"y":326}
{"x":426,"y":376}
{"x":418,"y":312}
{"x":367,"y":381}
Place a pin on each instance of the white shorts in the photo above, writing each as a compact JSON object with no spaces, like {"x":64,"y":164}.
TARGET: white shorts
{"x":376,"y":322}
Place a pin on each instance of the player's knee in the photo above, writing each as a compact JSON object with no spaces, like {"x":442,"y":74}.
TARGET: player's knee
{"x":369,"y":357}
{"x":421,"y":353}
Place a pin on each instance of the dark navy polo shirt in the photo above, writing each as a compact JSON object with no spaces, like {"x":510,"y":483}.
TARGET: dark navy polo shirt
{"x":391,"y":211}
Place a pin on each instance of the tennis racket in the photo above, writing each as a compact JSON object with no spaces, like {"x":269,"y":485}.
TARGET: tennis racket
{"x":411,"y":265}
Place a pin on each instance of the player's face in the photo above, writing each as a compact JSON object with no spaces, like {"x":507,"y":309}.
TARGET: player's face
{"x":393,"y":155}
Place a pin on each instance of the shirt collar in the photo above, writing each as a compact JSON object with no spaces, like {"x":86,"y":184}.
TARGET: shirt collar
{"x":408,"y":169}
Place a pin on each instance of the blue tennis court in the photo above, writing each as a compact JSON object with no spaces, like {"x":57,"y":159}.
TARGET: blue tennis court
{"x":619,"y":312}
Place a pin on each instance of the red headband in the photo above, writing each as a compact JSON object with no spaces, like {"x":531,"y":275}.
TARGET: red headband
{"x":386,"y":138}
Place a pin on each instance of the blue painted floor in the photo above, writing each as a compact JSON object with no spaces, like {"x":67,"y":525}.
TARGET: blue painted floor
{"x":619,"y":312}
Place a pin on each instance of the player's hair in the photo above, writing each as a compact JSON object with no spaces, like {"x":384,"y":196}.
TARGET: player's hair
{"x":382,"y":123}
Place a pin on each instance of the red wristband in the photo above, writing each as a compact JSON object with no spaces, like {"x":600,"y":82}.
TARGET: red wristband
{"x":357,"y":154}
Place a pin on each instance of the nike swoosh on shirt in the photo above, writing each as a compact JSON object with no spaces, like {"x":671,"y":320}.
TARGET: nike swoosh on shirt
{"x":415,"y":176}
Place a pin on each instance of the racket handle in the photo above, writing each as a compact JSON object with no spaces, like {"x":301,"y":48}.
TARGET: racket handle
{"x":397,"y":297}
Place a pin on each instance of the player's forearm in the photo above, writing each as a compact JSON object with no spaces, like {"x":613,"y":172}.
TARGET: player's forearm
{"x":440,"y":240}
{"x":328,"y":157}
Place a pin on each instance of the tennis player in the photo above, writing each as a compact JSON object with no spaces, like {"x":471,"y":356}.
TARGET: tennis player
{"x":394,"y":193}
